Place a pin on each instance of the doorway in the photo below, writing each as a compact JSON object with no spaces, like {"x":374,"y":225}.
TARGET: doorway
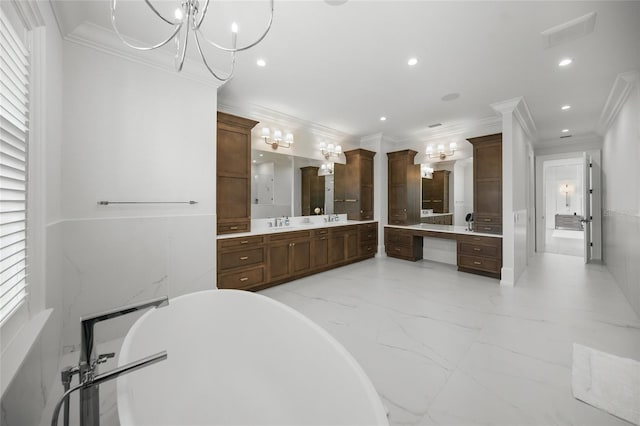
{"x":567,"y":205}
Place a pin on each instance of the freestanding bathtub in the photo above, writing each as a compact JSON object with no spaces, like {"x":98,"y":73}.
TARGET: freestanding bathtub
{"x":239,"y":358}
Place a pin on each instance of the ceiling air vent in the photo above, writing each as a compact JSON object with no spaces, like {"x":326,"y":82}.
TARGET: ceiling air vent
{"x":565,"y":136}
{"x":431,"y":126}
{"x":568,"y":31}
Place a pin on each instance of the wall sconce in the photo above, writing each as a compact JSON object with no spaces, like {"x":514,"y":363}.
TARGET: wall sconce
{"x":441,"y":152}
{"x":277,"y":141}
{"x":325,"y":169}
{"x":330,"y":150}
{"x":426,"y":172}
{"x":566,"y":189}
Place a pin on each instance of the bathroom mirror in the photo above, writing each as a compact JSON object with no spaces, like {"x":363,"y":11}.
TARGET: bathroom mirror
{"x":457,"y":175}
{"x":276,"y":188}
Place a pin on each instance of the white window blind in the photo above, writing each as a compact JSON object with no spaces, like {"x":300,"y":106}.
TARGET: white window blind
{"x":14,"y":135}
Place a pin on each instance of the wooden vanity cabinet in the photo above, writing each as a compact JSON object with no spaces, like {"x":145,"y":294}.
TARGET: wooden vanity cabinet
{"x":435,"y":192}
{"x":343,"y":244}
{"x":233,"y":180}
{"x":358,"y":181}
{"x":313,"y":190}
{"x":288,"y":255}
{"x":241,"y":262}
{"x":480,"y":255}
{"x":367,"y":239}
{"x":403,"y":244}
{"x":403,"y":188}
{"x":319,"y":248}
{"x":487,"y":183}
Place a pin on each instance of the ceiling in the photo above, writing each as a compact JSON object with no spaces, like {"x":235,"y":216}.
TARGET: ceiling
{"x":343,"y":65}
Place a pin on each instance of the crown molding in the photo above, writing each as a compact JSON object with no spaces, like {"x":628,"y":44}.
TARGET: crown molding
{"x":622,"y":87}
{"x":29,"y":13}
{"x":263,"y":114}
{"x":519,"y":108}
{"x":458,"y":129}
{"x":104,"y":40}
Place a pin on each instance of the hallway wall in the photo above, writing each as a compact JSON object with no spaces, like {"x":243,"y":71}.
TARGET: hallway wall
{"x":621,"y":176}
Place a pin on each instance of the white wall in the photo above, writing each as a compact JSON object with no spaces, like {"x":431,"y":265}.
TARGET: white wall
{"x":621,"y":201}
{"x":133,"y":133}
{"x":26,"y":396}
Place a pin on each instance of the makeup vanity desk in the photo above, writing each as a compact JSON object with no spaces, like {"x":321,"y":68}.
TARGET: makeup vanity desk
{"x":477,"y":252}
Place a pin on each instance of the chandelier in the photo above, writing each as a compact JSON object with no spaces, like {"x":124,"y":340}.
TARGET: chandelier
{"x":276,"y":140}
{"x":330,"y":150}
{"x":441,"y":152}
{"x":188,"y":17}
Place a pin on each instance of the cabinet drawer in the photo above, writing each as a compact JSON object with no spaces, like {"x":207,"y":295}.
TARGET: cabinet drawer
{"x":349,"y":229}
{"x":234,"y":259}
{"x":402,"y":252}
{"x":293,"y":235}
{"x":479,"y":263}
{"x":488,"y":228}
{"x":230,"y":228}
{"x":367,"y":249}
{"x":478,"y":250}
{"x":320,"y":232}
{"x":367,"y":236}
{"x":400,"y":238}
{"x":232,"y":243}
{"x":485,"y":241}
{"x":481,"y":219}
{"x":369,"y":226}
{"x":242,"y":279}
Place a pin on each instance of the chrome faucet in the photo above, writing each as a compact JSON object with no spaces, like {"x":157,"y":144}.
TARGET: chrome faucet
{"x":89,"y":361}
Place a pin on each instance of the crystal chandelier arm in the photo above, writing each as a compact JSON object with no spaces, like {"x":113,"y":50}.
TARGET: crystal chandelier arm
{"x":234,"y":49}
{"x":180,"y":56}
{"x":198,"y":22}
{"x":206,"y":64}
{"x":121,"y":37}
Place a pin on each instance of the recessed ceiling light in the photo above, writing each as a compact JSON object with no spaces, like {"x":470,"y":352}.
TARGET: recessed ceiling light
{"x":261,"y":155}
{"x":383,"y":118}
{"x":565,"y":62}
{"x":412,"y":61}
{"x":565,"y":130}
{"x":566,"y":107}
{"x":261,"y":63}
{"x":254,"y":161}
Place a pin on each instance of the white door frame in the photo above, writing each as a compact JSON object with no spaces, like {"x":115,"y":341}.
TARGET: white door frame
{"x":596,"y":250}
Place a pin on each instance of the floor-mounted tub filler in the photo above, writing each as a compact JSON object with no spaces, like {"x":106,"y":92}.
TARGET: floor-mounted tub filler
{"x":239,"y":358}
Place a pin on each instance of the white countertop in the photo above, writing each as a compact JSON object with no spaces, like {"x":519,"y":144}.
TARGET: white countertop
{"x":435,"y":214}
{"x":298,"y":227}
{"x":447,"y":229}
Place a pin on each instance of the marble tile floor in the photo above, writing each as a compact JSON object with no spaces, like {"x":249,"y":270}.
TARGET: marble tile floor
{"x":561,"y":245}
{"x":448,"y":348}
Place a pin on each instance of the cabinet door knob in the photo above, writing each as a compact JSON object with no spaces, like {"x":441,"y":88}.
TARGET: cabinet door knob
{"x":477,"y":263}
{"x":244,"y":242}
{"x":244,"y":279}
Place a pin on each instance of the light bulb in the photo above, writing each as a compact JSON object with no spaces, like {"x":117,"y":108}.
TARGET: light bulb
{"x":266,"y":132}
{"x":440,"y":148}
{"x":277,"y":135}
{"x":338,"y":149}
{"x":234,"y":28}
{"x":453,"y":146}
{"x":178,"y":14}
{"x":429,"y":150}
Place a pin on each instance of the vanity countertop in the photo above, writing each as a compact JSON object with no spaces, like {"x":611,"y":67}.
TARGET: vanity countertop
{"x":435,"y":214}
{"x":297,"y":227}
{"x":447,"y":229}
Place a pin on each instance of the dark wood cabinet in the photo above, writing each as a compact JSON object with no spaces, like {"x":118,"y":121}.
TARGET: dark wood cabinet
{"x":435,"y":192}
{"x":289,"y":254}
{"x":403,"y":244}
{"x":233,"y":180}
{"x":367,"y":239}
{"x":259,"y":261}
{"x":403,"y":188}
{"x":487,"y":183}
{"x":358,"y":184}
{"x":343,"y":244}
{"x":313,"y":190}
{"x":480,"y":255}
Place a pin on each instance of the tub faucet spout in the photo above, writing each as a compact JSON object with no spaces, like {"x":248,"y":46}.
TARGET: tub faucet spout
{"x":89,"y":393}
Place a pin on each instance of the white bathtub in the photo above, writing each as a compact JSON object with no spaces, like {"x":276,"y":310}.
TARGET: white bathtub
{"x":239,"y":358}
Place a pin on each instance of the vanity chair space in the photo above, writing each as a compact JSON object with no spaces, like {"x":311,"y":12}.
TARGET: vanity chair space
{"x":478,"y":251}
